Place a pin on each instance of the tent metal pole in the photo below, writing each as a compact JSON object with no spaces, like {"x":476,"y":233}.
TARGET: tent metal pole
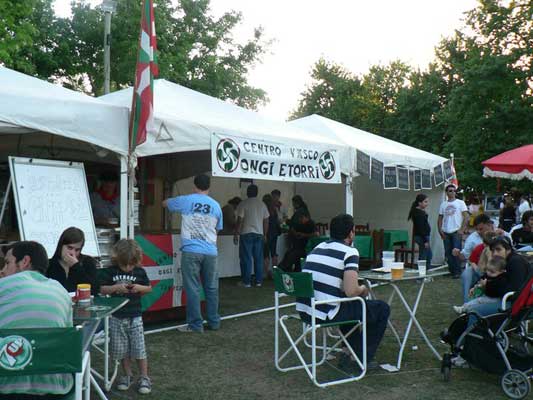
{"x":123,"y":197}
{"x":4,"y":203}
{"x":348,"y":187}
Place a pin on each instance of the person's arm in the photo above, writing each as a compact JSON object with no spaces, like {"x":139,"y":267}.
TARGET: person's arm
{"x":350,"y":283}
{"x":265,"y":228}
{"x":165,"y":203}
{"x":464,"y":224}
{"x":117,"y":288}
{"x":84,"y":271}
{"x":237,"y":231}
{"x":439,"y":226}
{"x":143,"y":286}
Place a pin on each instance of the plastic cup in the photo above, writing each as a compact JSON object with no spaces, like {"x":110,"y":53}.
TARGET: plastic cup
{"x":83,"y":293}
{"x":397,"y":270}
{"x":422,"y":267}
{"x":388,"y":254}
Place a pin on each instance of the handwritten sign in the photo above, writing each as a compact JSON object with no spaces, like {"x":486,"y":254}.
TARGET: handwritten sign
{"x":376,"y":174}
{"x":51,"y":196}
{"x":363,"y":163}
{"x":403,"y":178}
{"x":426,"y":179}
{"x":390,"y":178}
{"x":438,"y":175}
{"x":447,"y":166}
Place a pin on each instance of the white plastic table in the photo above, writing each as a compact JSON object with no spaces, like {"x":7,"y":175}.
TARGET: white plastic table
{"x":409,"y":275}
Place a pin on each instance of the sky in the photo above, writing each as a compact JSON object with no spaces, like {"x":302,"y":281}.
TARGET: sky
{"x":354,"y":33}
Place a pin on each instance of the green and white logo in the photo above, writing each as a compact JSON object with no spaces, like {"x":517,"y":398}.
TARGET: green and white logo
{"x":15,"y":353}
{"x":326,"y":162}
{"x":288,"y":283}
{"x":228,"y":154}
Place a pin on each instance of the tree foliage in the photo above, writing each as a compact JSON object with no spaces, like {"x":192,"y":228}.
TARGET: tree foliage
{"x":195,"y":49}
{"x":475,"y":99}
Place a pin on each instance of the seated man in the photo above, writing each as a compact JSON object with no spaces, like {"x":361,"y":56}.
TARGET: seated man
{"x":523,"y":236}
{"x":30,"y":300}
{"x":334,"y":266}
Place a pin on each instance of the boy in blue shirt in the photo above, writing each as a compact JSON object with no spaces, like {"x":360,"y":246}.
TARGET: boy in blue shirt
{"x":201,"y":219}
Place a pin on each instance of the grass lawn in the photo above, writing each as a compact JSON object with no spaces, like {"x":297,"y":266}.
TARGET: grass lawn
{"x":236,"y":362}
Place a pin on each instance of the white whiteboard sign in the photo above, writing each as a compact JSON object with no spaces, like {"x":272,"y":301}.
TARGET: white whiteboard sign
{"x":51,"y":196}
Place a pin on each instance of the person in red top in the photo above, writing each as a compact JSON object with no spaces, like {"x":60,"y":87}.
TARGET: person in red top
{"x":106,"y":200}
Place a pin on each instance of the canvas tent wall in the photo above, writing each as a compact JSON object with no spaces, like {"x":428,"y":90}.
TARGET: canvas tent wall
{"x":381,"y":208}
{"x":185,"y":120}
{"x":43,"y":120}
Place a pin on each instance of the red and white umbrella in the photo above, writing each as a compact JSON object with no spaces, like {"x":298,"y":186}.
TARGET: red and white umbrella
{"x":513,"y":164}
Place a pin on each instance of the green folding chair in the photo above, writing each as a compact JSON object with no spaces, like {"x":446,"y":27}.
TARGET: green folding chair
{"x":300,"y":284}
{"x":39,"y":351}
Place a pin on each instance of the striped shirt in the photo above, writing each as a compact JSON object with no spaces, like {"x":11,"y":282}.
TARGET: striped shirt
{"x":327,"y":263}
{"x":30,"y":300}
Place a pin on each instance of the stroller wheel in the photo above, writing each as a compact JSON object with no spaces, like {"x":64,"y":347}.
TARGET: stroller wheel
{"x":515,"y":384}
{"x":446,"y":367}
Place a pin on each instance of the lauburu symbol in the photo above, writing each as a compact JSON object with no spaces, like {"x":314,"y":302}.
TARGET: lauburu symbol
{"x":326,"y":163}
{"x":228,"y":154}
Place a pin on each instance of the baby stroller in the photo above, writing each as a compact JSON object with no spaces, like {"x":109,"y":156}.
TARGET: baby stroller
{"x":497,"y":343}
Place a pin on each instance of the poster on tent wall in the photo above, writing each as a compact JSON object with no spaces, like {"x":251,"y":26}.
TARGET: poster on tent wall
{"x":403,"y":178}
{"x":417,"y":179}
{"x":426,"y":179}
{"x":390,"y":178}
{"x":376,"y":173}
{"x":447,"y":167}
{"x":239,"y":157}
{"x":363,"y":163}
{"x":438,"y":174}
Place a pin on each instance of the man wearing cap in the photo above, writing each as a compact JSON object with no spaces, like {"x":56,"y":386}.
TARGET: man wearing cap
{"x":30,"y":300}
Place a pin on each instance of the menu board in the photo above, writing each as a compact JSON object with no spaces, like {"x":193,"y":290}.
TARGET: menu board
{"x":363,"y":163}
{"x":403,"y":178}
{"x":447,"y":166}
{"x":390,"y":178}
{"x":417,"y":179}
{"x":438,"y":174}
{"x":376,"y":173}
{"x":426,"y":179}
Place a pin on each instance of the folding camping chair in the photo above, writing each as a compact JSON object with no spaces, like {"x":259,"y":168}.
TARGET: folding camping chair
{"x":39,"y":351}
{"x":300,"y":284}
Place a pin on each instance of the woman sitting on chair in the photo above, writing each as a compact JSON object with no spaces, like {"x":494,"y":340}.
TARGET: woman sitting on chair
{"x":68,"y":266}
{"x":421,"y":228}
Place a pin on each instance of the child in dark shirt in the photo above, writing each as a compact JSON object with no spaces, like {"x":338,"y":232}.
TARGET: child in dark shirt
{"x":493,"y":284}
{"x":126,"y":278}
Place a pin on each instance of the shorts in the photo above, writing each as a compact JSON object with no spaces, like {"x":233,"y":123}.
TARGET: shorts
{"x":127,"y":338}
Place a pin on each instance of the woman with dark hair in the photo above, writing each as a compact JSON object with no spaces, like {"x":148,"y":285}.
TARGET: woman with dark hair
{"x":421,"y":228}
{"x":68,"y":266}
{"x":274,"y":230}
{"x":300,"y":208}
{"x":516,"y":268}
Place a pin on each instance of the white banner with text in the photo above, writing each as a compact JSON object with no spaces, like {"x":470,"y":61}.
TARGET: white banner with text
{"x":238,"y":157}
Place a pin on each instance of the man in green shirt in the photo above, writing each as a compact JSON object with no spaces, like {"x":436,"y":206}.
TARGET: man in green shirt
{"x":30,"y":300}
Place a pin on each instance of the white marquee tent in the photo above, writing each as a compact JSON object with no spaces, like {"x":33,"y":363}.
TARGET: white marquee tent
{"x":372,"y":204}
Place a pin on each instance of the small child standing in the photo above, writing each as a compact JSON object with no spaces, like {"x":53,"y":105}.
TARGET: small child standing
{"x":492,"y":284}
{"x":125,"y":278}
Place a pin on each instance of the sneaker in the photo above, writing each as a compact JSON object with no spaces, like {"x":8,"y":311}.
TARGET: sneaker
{"x":124,"y":382}
{"x":459,"y":362}
{"x":188,"y":329}
{"x":242,"y":284}
{"x":99,"y":338}
{"x":459,"y":309}
{"x":144,"y":385}
{"x":258,"y":284}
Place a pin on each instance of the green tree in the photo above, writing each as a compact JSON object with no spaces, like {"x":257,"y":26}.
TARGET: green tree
{"x":195,"y":49}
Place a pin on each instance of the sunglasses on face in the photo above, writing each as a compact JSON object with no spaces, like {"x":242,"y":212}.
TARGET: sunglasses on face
{"x":451,"y":191}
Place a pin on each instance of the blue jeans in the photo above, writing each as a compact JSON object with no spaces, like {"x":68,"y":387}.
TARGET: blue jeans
{"x":251,"y":252}
{"x":485,"y":309}
{"x":469,"y":278}
{"x":423,"y":252}
{"x":194,"y":266}
{"x":377,"y":315}
{"x":452,"y":241}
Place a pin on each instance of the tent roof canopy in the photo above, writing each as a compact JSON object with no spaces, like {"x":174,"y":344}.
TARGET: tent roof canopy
{"x":185,"y":120}
{"x":29,"y":104}
{"x":387,"y":151}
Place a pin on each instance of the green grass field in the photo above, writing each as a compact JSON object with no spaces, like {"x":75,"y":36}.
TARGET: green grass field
{"x":236,"y":362}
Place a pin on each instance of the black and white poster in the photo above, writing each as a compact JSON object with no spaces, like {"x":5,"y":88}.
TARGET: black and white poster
{"x":447,"y":166}
{"x":417,"y":179}
{"x":390,"y":178}
{"x":438,"y":174}
{"x":363,"y":163}
{"x":403,"y":178}
{"x":426,"y":179}
{"x":376,"y":173}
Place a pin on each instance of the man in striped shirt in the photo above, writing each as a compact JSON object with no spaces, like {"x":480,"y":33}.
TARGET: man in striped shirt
{"x":30,"y":300}
{"x":334,"y":265}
